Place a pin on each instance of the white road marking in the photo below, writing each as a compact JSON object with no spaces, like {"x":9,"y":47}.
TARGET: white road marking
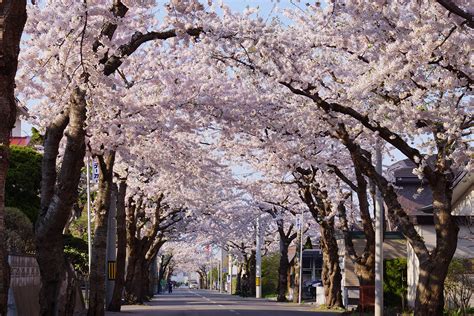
{"x":209,"y":300}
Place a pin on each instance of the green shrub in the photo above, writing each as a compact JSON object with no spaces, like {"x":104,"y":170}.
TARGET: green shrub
{"x":19,"y":229}
{"x":270,"y":265}
{"x":76,"y":252}
{"x":22,"y":187}
{"x":459,"y":287}
{"x":395,"y":282}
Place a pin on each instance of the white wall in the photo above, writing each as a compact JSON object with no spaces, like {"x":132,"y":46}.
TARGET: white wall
{"x":16,"y":132}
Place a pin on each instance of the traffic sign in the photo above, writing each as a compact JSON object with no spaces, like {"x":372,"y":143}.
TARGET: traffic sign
{"x":95,"y":171}
{"x":298,"y":222}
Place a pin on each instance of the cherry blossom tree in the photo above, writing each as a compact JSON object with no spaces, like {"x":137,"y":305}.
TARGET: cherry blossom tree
{"x":406,"y":66}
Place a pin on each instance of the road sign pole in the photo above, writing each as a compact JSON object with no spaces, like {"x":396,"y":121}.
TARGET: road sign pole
{"x":378,"y":239}
{"x":230,"y":273}
{"x":89,"y":242}
{"x":258,"y":255}
{"x":301,"y":258}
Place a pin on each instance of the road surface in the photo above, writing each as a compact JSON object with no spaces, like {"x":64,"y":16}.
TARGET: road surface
{"x":184,"y":302}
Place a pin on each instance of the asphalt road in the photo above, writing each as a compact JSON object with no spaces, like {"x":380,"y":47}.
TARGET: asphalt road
{"x":184,"y":302}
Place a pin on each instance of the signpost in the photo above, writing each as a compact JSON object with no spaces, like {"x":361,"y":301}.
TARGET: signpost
{"x":378,"y":239}
{"x":95,"y":171}
{"x":89,"y":241}
{"x":300,"y":229}
{"x":258,"y":269}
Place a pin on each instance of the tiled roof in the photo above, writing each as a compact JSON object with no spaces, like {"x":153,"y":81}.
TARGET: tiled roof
{"x":414,"y":194}
{"x":20,"y":141}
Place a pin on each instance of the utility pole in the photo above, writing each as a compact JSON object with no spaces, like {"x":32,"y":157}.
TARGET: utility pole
{"x":301,"y":258}
{"x":111,"y":252}
{"x":210,"y":272}
{"x":379,"y":220}
{"x":258,"y":255}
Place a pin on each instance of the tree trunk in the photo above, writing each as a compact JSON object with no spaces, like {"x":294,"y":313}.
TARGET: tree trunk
{"x":432,"y":272}
{"x":152,"y":278}
{"x":58,"y":195}
{"x":296,"y":278}
{"x":116,"y":302}
{"x":136,"y":281}
{"x":99,"y":249}
{"x":252,"y":268}
{"x":164,"y":262}
{"x":331,"y":274}
{"x":12,"y":21}
{"x":283,"y":271}
{"x":238,"y":286}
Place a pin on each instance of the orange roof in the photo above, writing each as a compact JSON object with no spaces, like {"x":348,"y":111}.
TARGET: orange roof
{"x":20,"y":141}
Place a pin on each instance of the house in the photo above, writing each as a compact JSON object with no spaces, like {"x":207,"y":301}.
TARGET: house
{"x":416,"y":198}
{"x":16,"y":137}
{"x":394,"y":246}
{"x":312,"y":268}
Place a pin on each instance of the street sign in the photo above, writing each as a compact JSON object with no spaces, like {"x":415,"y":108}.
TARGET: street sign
{"x":298,"y":222}
{"x":95,"y":171}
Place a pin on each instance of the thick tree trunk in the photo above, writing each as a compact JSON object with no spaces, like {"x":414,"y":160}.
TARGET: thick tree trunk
{"x":116,"y":302}
{"x":432,"y":272}
{"x":283,"y":271}
{"x":136,"y":283}
{"x":58,"y":195}
{"x":12,"y":21}
{"x":131,"y":268}
{"x":251,"y":270}
{"x":331,"y":274}
{"x":151,"y":279}
{"x":99,"y":249}
{"x":238,"y":286}
{"x":320,"y":207}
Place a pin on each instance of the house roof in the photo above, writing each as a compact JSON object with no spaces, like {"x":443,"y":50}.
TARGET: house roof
{"x":414,"y":194}
{"x":22,"y":110}
{"x":20,"y":141}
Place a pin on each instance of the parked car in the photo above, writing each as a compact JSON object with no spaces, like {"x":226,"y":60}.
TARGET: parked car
{"x":193,"y":285}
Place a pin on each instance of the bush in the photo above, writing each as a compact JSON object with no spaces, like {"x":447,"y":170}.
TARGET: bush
{"x":270,"y":265}
{"x":458,"y":286}
{"x":19,"y":229}
{"x":22,"y":187}
{"x":76,"y":252}
{"x":395,"y":282}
